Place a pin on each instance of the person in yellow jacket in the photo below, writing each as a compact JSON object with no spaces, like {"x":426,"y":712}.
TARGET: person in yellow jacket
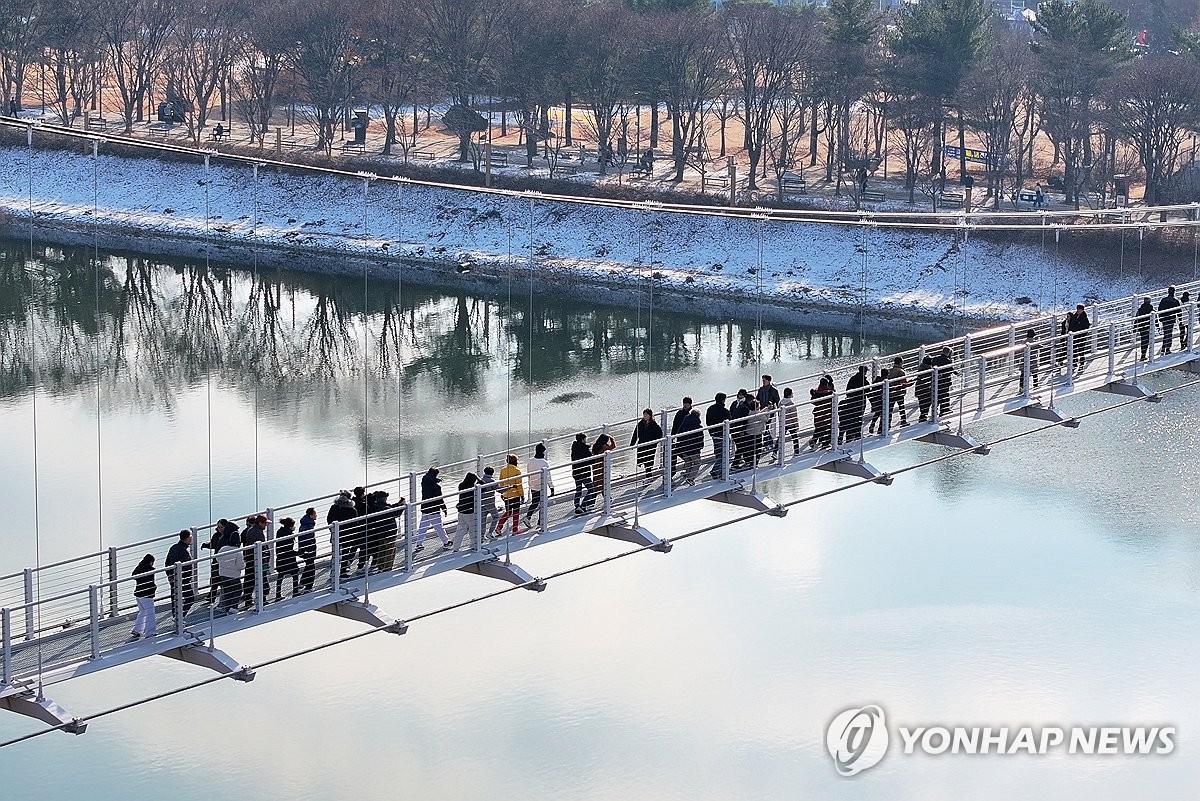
{"x":512,"y":490}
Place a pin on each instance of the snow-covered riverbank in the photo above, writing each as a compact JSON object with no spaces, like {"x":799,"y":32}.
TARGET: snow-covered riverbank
{"x":799,"y":269}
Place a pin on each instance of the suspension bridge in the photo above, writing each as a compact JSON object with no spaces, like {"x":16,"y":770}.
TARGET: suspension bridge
{"x":72,"y":618}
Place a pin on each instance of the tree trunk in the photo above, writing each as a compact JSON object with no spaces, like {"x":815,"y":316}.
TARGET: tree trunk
{"x":962,"y":147}
{"x":654,"y":123}
{"x":568,"y":107}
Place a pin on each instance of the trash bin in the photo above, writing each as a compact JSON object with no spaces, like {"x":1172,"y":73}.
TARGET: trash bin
{"x":359,"y":126}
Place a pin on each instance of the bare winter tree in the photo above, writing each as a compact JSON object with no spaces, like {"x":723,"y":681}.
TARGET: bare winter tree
{"x":533,"y":50}
{"x":135,"y":34}
{"x":327,"y":60}
{"x":602,"y":39}
{"x":201,"y":45}
{"x":22,"y":25}
{"x":72,"y":57}
{"x":685,"y":58}
{"x":990,"y":97}
{"x":765,"y":43}
{"x":1153,"y":104}
{"x":396,"y":67}
{"x":460,"y":36}
{"x":914,"y":115}
{"x":262,"y":52}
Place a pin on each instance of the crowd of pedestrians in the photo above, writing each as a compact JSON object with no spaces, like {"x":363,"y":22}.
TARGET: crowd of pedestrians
{"x":761,"y":425}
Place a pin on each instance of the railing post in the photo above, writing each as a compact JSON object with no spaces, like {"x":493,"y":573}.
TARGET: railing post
{"x":966,"y":347}
{"x":1027,"y":370}
{"x":607,"y":483}
{"x":6,"y":639}
{"x":94,"y":604}
{"x":885,"y":422}
{"x":195,"y":554}
{"x":410,"y":522}
{"x":935,"y":413}
{"x":780,"y":432}
{"x":29,"y":603}
{"x":1093,"y":334}
{"x":177,"y":596}
{"x":335,"y":562}
{"x":874,"y":368}
{"x":1112,"y":349}
{"x":1071,"y":356}
{"x":271,"y":537}
{"x":543,"y":501}
{"x":1010,"y":359}
{"x":668,"y":468}
{"x":726,"y":450}
{"x":114,"y":603}
{"x":834,"y":423}
{"x":477,"y":534}
{"x":1191,"y":334}
{"x":982,"y":382}
{"x":258,"y":577}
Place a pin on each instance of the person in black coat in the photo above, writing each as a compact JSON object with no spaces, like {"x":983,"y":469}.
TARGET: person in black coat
{"x":943,"y":379}
{"x":144,"y":589}
{"x":850,"y":410}
{"x":1168,"y":311}
{"x":341,"y":511}
{"x":676,"y":423}
{"x":690,"y":443}
{"x":285,"y":559}
{"x":381,"y":530}
{"x":1143,"y":323}
{"x":433,"y":506}
{"x":306,"y":547}
{"x":355,"y":532}
{"x":1078,"y":324}
{"x":581,"y":471}
{"x":648,"y":433}
{"x":739,"y":410}
{"x":252,"y":534}
{"x":924,"y":387}
{"x":181,"y":553}
{"x":822,"y":411}
{"x":714,"y":419}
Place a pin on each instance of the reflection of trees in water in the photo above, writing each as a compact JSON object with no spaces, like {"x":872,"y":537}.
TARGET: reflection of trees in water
{"x":163,"y":327}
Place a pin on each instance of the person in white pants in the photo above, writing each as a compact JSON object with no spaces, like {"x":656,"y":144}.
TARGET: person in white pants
{"x":465,"y":530}
{"x":146,"y":625}
{"x":432,"y":508}
{"x":533,"y":470}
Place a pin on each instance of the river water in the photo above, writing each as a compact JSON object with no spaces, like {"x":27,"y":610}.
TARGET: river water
{"x":1053,"y":582}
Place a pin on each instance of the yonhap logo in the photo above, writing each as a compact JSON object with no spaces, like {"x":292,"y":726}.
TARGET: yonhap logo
{"x":857,"y":739}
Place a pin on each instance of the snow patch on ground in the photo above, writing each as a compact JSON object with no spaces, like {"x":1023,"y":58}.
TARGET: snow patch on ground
{"x":827,"y":264}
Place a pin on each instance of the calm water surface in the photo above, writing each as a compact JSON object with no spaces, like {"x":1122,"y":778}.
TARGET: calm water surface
{"x":1054,"y":582}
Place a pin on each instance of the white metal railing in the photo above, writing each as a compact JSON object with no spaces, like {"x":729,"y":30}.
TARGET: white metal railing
{"x":986,"y":372}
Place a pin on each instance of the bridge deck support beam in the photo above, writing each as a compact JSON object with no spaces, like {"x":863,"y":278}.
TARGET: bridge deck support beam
{"x":1190,"y":367}
{"x":952,"y":440}
{"x":1038,"y":412}
{"x":213,"y":659}
{"x":635,"y":534}
{"x":858,"y":469}
{"x":366,"y":613}
{"x":751,"y":500}
{"x":505,"y":571}
{"x":1130,"y":389}
{"x":43,"y":709}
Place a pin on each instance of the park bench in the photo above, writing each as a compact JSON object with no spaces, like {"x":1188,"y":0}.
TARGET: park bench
{"x":791,"y":183}
{"x":951,"y":198}
{"x":95,"y":124}
{"x":566,"y":169}
{"x":357,"y":147}
{"x":720,"y":179}
{"x":872,"y":195}
{"x":223,"y":135}
{"x":424,"y":155}
{"x":499,"y":158}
